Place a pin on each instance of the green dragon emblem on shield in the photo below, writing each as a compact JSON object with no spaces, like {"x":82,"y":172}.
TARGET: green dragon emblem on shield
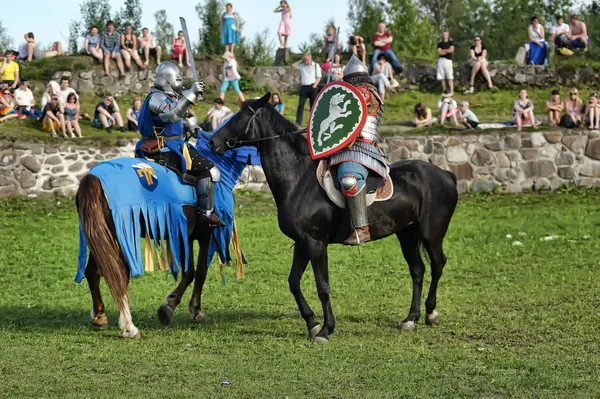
{"x":337,"y":117}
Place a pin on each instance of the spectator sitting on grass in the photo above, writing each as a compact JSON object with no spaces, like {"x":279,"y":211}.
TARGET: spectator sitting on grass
{"x":337,"y":72}
{"x":147,"y":47}
{"x":382,"y":43}
{"x":52,"y":89}
{"x":479,"y":63}
{"x":231,"y":77}
{"x":423,"y":117}
{"x":554,"y":107}
{"x":218,"y":113}
{"x":592,"y":112}
{"x":65,"y":89}
{"x":72,"y":115}
{"x":7,"y":106}
{"x":277,"y":102}
{"x":356,"y":44}
{"x":523,"y":111}
{"x":579,"y":35}
{"x":537,"y":46}
{"x":26,"y":101}
{"x":28,"y":49}
{"x":9,"y":70}
{"x":111,"y":48}
{"x":92,"y":44}
{"x":468,"y":117}
{"x":129,"y":48}
{"x":53,"y":117}
{"x":447,"y":108}
{"x":382,"y":75}
{"x":560,"y":33}
{"x":133,"y":114}
{"x":574,"y":109}
{"x":55,"y":50}
{"x":107,"y":114}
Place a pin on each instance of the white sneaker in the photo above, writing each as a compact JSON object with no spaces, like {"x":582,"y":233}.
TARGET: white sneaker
{"x":471,"y":90}
{"x":180,"y":65}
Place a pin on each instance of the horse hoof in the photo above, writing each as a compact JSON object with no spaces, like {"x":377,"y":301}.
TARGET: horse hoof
{"x":432,"y":318}
{"x":407,"y":325}
{"x":321,"y":340}
{"x":99,"y":326}
{"x":132,"y":334}
{"x":198,"y":317}
{"x":315,"y":330}
{"x":165,"y":314}
{"x":99,"y":321}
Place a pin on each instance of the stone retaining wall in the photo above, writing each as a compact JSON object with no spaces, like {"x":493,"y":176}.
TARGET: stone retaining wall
{"x":509,"y":161}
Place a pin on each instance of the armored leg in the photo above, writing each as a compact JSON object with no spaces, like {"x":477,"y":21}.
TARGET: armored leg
{"x":206,"y":198}
{"x":353,"y":188}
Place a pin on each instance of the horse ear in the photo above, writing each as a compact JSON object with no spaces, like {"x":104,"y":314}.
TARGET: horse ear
{"x":264,"y":100}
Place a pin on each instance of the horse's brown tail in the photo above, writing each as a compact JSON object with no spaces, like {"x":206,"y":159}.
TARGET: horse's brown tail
{"x":98,"y":229}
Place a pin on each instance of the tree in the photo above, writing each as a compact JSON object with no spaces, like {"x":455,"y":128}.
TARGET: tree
{"x":164,"y":31}
{"x":130,"y":14}
{"x":5,"y":39}
{"x":94,"y":13}
{"x":260,"y":49}
{"x":209,"y":12}
{"x":438,"y":12}
{"x":407,"y":21}
{"x":365,"y":15}
{"x":74,"y":36}
{"x":463,"y":26}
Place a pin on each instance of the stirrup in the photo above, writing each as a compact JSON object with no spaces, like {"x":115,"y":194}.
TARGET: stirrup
{"x":212,"y":220}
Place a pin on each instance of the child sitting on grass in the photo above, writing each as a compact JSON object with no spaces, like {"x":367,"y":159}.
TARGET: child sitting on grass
{"x":592,"y":112}
{"x":468,"y":117}
{"x":423,"y":117}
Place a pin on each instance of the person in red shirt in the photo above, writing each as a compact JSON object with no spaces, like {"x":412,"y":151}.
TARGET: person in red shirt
{"x":382,"y":45}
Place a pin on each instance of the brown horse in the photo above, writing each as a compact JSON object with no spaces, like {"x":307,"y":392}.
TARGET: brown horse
{"x":107,"y":260}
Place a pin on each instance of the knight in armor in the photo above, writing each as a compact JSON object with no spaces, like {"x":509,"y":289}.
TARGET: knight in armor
{"x":161,"y":124}
{"x":355,"y":162}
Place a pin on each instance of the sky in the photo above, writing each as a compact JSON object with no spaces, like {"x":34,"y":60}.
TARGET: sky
{"x":51,"y":22}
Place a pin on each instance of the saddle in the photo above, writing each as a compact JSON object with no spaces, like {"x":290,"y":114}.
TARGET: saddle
{"x":152,"y":151}
{"x":378,"y":188}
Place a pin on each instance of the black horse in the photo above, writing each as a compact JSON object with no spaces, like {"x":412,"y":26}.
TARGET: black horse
{"x":419,"y":212}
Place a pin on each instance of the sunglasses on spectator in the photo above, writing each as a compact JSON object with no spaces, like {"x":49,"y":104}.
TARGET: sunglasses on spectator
{"x":477,"y":40}
{"x":6,"y":93}
{"x":573,"y":94}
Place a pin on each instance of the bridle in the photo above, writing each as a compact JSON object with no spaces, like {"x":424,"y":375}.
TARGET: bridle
{"x":235,"y":141}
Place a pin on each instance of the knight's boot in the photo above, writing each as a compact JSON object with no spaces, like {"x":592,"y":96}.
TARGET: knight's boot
{"x":206,"y":203}
{"x":357,"y":208}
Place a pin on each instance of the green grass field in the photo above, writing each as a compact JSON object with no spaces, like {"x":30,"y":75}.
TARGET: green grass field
{"x":516,"y":321}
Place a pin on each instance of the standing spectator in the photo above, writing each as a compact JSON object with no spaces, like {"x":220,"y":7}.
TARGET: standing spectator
{"x":423,"y":117}
{"x":337,"y":72}
{"x":230,"y":28}
{"x":356,"y":44}
{"x":218,"y":113}
{"x":592,"y":112}
{"x":447,"y":108}
{"x":554,"y":107}
{"x":133,"y":115}
{"x":382,"y":75}
{"x":579,"y":35}
{"x":560,"y":33}
{"x":179,"y":49}
{"x":468,"y":117}
{"x":277,"y":103}
{"x":26,"y":101}
{"x":72,"y":115}
{"x":92,"y":44}
{"x":109,"y":43}
{"x":332,"y":46}
{"x":52,"y":89}
{"x":523,"y":108}
{"x":7,"y":106}
{"x":66,"y":90}
{"x":537,"y":45}
{"x":382,"y":43}
{"x":9,"y":70}
{"x":129,"y":48}
{"x":28,"y":49}
{"x":147,"y":47}
{"x":574,"y":110}
{"x":53,"y":117}
{"x":445,"y":68}
{"x":479,"y":63}
{"x":107,"y":114}
{"x":285,"y":26}
{"x":310,"y":76}
{"x":231,"y":77}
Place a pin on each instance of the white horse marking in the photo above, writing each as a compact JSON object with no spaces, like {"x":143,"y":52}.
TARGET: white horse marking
{"x":126,"y":322}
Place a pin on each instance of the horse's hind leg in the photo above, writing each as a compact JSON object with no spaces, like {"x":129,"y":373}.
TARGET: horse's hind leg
{"x":167,"y":309}
{"x":409,"y":241}
{"x":92,"y":275}
{"x":299,"y":264}
{"x":438,"y":261}
{"x":321,"y":271}
{"x":196,"y":313}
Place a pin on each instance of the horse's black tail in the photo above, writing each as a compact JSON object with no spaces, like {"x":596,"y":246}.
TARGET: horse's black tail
{"x":98,"y":229}
{"x":452,"y":176}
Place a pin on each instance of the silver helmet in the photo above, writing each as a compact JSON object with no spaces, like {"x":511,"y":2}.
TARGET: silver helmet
{"x":355,"y":66}
{"x":168,"y":78}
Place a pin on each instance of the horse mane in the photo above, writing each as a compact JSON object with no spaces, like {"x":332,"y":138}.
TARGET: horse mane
{"x":285,"y":127}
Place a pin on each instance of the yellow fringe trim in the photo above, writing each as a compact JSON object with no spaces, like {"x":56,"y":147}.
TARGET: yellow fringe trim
{"x":187,"y":157}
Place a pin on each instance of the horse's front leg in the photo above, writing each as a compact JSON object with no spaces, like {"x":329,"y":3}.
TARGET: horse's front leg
{"x":196,"y":313}
{"x":167,"y":309}
{"x":92,"y":275}
{"x":321,"y":271}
